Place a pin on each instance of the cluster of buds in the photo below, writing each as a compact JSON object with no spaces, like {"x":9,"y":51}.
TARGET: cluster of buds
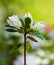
{"x":16,"y":24}
{"x":14,"y":21}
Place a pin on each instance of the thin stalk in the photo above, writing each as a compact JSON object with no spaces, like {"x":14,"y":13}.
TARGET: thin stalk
{"x":25,"y":46}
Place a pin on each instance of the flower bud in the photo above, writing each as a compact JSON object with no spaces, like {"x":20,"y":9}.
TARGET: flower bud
{"x":38,"y":26}
{"x":14,"y":21}
{"x":28,"y":19}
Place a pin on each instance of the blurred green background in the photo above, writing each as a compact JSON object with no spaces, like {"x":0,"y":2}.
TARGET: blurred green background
{"x":41,"y":10}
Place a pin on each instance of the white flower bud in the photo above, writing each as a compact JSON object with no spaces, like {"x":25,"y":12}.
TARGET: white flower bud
{"x":14,"y":21}
{"x":38,"y":26}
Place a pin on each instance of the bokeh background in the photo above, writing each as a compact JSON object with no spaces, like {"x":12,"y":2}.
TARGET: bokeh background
{"x":41,"y":53}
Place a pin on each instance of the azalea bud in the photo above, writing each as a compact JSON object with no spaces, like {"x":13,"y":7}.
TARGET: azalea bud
{"x":38,"y":26}
{"x":14,"y":21}
{"x":28,"y":20}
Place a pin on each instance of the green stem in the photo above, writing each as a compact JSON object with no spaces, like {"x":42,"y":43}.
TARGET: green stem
{"x":24,"y":46}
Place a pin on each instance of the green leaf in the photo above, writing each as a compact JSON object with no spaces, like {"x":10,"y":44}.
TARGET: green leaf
{"x":32,"y":39}
{"x":33,"y":31}
{"x":7,"y":25}
{"x":22,"y":22}
{"x":46,"y":36}
{"x":20,"y":30}
{"x":36,"y":33}
{"x":14,"y":30}
{"x":14,"y":49}
{"x":27,"y":22}
{"x":40,"y":36}
{"x":11,"y":30}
